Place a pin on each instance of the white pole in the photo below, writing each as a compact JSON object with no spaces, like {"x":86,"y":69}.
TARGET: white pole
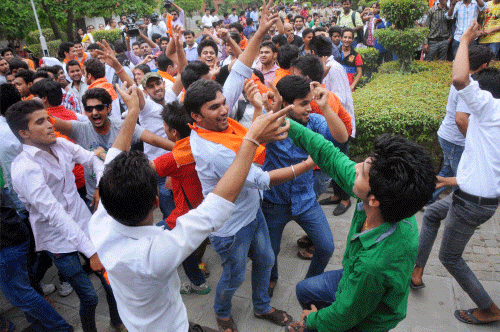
{"x":45,"y":49}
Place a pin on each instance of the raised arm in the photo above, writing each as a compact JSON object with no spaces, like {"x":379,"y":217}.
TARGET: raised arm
{"x":131,"y":99}
{"x":336,"y":126}
{"x":461,"y":67}
{"x":63,"y":126}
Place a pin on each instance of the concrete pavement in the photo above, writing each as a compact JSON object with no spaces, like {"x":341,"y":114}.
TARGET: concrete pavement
{"x":429,"y":309}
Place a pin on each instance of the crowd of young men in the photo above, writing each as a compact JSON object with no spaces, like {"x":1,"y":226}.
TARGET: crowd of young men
{"x":93,"y":142}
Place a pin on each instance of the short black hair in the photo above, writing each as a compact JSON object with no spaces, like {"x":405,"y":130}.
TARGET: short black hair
{"x":41,"y":73}
{"x":50,"y":89}
{"x":18,"y":115}
{"x":120,"y":47}
{"x":176,"y":117}
{"x":344,"y":30}
{"x":9,"y":95}
{"x":225,"y":15}
{"x":199,"y":93}
{"x":345,"y":1}
{"x":16,"y":63}
{"x":5,"y":50}
{"x":298,"y":17}
{"x":237,"y":26}
{"x":334,"y":29}
{"x":155,"y":36}
{"x":286,"y":54}
{"x":259,"y":74}
{"x":26,"y":75}
{"x":95,"y":68}
{"x":279,"y":40}
{"x":72,"y":63}
{"x":64,"y":47}
{"x":97,"y":93}
{"x":307,"y":31}
{"x":401,"y":177}
{"x":144,"y":68}
{"x":128,"y":188}
{"x":207,"y":43}
{"x":164,"y":61}
{"x":188,"y":32}
{"x":54,"y":70}
{"x":164,"y":38}
{"x":235,"y":36}
{"x":192,"y":72}
{"x":489,"y":80}
{"x":249,"y":21}
{"x":136,"y":43}
{"x":293,"y":87}
{"x":93,"y":46}
{"x":479,"y":55}
{"x":323,"y":29}
{"x":310,"y":65}
{"x":321,"y":45}
{"x":269,"y":44}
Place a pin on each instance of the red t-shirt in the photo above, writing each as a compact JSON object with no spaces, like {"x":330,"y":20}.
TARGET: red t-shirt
{"x":182,"y":177}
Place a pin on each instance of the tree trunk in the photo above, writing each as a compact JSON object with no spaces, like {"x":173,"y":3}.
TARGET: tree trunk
{"x":69,"y":25}
{"x":53,"y":25}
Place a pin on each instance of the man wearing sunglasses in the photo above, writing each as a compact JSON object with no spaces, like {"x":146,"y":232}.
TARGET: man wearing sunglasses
{"x":101,"y":131}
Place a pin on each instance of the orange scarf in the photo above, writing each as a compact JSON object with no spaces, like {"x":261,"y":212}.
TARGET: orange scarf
{"x":28,"y":97}
{"x":84,"y":57}
{"x":243,"y":43}
{"x":167,"y":76}
{"x":104,"y":84}
{"x":280,"y":73}
{"x":169,"y":24}
{"x":231,"y":138}
{"x":431,"y":3}
{"x":262,"y":88}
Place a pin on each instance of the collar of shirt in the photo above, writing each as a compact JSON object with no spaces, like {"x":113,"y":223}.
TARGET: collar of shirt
{"x":135,"y":232}
{"x":31,"y":150}
{"x":372,"y":236}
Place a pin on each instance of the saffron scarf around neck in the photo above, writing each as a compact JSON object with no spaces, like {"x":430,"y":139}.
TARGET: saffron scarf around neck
{"x":104,"y":84}
{"x":231,"y":138}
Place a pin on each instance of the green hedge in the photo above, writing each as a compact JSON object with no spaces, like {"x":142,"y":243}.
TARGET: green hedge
{"x":370,"y":57}
{"x":412,"y":105}
{"x":52,"y":45}
{"x":111,"y":35}
{"x":34,"y":36}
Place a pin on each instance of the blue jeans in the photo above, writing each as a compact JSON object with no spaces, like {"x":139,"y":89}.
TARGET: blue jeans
{"x":321,"y":182}
{"x":251,"y":240}
{"x":166,"y":196}
{"x":190,"y":264}
{"x":15,"y":285}
{"x":337,"y":190}
{"x":69,"y":266}
{"x":451,"y":157}
{"x":312,"y":221}
{"x":461,"y":220}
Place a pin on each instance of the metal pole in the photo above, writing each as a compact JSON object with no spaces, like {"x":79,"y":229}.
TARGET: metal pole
{"x":43,"y":43}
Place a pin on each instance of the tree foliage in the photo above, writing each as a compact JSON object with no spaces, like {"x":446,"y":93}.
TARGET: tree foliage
{"x":403,"y":13}
{"x":189,"y":6}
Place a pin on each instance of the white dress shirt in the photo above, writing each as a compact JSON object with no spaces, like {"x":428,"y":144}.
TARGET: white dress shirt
{"x":449,"y":129}
{"x":150,"y":119}
{"x":142,"y":262}
{"x":46,"y":186}
{"x":206,"y":21}
{"x":159,"y":28}
{"x":479,"y":168}
{"x":337,"y":82}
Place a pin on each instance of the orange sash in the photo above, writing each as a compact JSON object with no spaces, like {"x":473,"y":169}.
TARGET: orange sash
{"x":280,"y":73}
{"x":167,"y":76}
{"x":243,"y":43}
{"x":231,"y":138}
{"x":104,"y":84}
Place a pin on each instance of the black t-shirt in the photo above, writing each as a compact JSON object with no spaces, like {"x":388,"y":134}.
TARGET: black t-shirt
{"x":13,"y":231}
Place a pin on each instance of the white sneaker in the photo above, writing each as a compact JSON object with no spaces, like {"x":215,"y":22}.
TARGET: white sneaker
{"x":65,"y":289}
{"x":47,"y":289}
{"x":187,"y":288}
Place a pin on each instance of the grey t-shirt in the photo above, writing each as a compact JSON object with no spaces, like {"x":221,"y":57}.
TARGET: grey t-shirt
{"x":83,"y":134}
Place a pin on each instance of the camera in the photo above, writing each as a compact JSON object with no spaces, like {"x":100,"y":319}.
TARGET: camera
{"x":133,"y":25}
{"x":167,"y":3}
{"x":154,"y":18}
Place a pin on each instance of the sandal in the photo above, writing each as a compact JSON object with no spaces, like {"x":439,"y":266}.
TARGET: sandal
{"x":304,"y":242}
{"x":276,"y":317}
{"x":306,"y":254}
{"x":470,"y":317}
{"x":227,"y":324}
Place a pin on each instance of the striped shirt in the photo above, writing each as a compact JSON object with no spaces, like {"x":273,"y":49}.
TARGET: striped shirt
{"x":465,"y":15}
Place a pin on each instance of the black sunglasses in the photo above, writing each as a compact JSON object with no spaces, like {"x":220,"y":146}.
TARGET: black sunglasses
{"x":99,"y":108}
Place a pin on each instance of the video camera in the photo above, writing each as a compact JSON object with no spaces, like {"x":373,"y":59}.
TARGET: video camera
{"x":133,"y":25}
{"x":167,"y":3}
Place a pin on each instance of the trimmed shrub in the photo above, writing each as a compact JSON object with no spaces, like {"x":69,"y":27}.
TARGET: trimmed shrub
{"x":411,"y":105}
{"x":370,"y":57}
{"x":111,"y":35}
{"x":34,"y":36}
{"x":403,"y":13}
{"x":52,"y":45}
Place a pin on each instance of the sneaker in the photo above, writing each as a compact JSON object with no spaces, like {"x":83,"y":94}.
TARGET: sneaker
{"x":65,"y":289}
{"x":187,"y":288}
{"x":47,"y":289}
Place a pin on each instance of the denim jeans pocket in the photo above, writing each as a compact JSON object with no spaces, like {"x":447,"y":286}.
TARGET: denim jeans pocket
{"x":222,"y":244}
{"x":471,"y":213}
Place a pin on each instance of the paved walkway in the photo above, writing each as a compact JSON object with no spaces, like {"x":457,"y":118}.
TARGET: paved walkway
{"x":430,"y":309}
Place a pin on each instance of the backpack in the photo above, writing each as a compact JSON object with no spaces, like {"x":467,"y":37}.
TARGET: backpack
{"x":360,"y":36}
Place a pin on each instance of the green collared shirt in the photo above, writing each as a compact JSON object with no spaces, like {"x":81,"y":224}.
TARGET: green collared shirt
{"x":373,"y":291}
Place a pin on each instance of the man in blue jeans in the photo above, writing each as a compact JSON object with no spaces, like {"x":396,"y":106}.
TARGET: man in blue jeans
{"x":42,"y":176}
{"x":478,"y":179}
{"x":453,"y":129}
{"x":296,"y":199}
{"x":14,"y":279}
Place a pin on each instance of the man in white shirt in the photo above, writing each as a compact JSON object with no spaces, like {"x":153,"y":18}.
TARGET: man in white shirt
{"x":478,"y":180}
{"x":206,"y":20}
{"x":42,"y":176}
{"x":142,"y":259}
{"x":78,"y":86}
{"x":156,"y":26}
{"x":233,"y":17}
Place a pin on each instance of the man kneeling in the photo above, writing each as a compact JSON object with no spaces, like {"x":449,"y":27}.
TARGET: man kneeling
{"x":370,"y":293}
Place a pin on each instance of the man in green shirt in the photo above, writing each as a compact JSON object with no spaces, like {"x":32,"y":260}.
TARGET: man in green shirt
{"x":370,"y":293}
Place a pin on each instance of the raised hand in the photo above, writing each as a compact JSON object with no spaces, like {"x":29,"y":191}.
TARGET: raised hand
{"x":320,"y":95}
{"x":268,"y":18}
{"x":253,"y":94}
{"x":272,"y":99}
{"x":129,"y":97}
{"x":270,"y":126}
{"x":107,"y":54}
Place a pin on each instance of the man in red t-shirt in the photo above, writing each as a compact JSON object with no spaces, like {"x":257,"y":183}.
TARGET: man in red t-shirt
{"x":179,"y":165}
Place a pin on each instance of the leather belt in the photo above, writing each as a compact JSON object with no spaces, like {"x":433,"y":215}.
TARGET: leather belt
{"x":475,"y":199}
